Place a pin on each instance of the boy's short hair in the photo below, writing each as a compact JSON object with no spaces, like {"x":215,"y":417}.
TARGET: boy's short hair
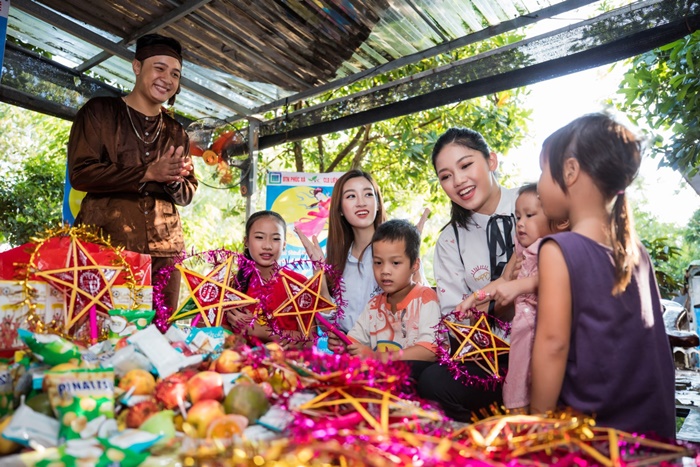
{"x":400,"y":229}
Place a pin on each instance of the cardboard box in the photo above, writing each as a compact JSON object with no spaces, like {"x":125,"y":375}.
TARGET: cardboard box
{"x":51,"y":303}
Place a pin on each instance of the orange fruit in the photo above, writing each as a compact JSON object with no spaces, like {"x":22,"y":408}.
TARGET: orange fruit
{"x":227,"y":426}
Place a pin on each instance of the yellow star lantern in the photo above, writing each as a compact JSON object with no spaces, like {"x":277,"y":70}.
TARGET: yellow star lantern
{"x":479,"y":344}
{"x":334,"y":398}
{"x":211,"y":295}
{"x":524,"y":437}
{"x":304,"y":300}
{"x":84,"y":282}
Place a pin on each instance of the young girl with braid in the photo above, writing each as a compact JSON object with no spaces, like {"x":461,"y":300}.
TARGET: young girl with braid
{"x":600,"y":342}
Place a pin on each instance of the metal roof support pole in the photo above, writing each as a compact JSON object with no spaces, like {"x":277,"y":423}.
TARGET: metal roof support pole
{"x":253,"y":132}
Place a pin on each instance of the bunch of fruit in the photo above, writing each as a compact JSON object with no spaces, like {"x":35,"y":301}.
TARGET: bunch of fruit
{"x":217,"y":400}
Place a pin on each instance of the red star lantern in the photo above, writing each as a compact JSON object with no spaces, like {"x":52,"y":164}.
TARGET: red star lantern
{"x":304,"y":300}
{"x":84,"y":282}
{"x":211,"y":295}
{"x":479,"y":344}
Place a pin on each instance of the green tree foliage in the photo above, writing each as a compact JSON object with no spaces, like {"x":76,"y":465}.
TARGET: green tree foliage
{"x":397,"y":152}
{"x":33,"y":165}
{"x":662,"y":92}
{"x":670,"y":246}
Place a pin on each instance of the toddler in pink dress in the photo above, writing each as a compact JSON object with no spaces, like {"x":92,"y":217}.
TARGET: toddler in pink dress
{"x":532,"y":225}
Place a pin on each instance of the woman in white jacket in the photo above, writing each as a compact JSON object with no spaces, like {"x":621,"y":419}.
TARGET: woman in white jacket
{"x":472,"y":250}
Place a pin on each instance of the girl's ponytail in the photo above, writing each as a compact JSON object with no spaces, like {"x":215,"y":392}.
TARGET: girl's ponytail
{"x":624,"y":243}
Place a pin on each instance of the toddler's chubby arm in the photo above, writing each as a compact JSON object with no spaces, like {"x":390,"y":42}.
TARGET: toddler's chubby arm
{"x":506,"y":292}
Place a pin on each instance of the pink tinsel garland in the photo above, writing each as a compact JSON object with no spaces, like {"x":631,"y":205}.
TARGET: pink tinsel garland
{"x":249,"y":269}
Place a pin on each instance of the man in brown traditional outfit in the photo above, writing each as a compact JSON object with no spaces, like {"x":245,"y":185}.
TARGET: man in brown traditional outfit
{"x":133,"y":161}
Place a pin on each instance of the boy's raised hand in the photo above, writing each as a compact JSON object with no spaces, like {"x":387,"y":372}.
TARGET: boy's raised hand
{"x":312,"y":246}
{"x":334,"y":343}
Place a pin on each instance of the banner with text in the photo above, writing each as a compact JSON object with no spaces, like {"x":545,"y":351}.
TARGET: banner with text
{"x":304,"y":201}
{"x":4,"y":13}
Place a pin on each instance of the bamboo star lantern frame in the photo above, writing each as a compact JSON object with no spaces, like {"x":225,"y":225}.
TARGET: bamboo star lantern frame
{"x":303,"y":301}
{"x":335,"y":398}
{"x":84,"y":282}
{"x":478,"y":343}
{"x":211,"y":295}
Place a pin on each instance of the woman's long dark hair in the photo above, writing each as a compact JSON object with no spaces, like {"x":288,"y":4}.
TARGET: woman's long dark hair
{"x":611,"y":155}
{"x":244,"y":274}
{"x":469,"y":139}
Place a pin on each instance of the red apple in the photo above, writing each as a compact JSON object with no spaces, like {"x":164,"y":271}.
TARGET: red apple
{"x":171,"y":391}
{"x":202,"y":413}
{"x":205,"y":385}
{"x":228,"y":362}
{"x":140,"y":412}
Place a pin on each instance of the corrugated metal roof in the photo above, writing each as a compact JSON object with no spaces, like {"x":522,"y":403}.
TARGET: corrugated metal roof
{"x":250,"y":54}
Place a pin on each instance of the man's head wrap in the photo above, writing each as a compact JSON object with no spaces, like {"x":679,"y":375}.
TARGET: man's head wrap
{"x":152,"y":45}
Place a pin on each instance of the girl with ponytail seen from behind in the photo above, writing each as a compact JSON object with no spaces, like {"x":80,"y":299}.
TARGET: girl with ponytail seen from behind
{"x":600,"y":342}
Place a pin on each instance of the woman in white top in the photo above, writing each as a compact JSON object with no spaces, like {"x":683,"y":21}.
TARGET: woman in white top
{"x":471,"y":251}
{"x":356,"y":211}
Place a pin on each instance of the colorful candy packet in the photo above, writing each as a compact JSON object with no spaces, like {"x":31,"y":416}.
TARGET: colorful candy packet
{"x":32,"y":429}
{"x":93,"y":452}
{"x":123,"y":323}
{"x":6,"y":389}
{"x":206,"y":340}
{"x":49,"y":348}
{"x":79,"y":396}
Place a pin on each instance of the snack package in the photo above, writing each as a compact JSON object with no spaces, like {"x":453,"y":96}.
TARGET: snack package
{"x":206,"y":340}
{"x":93,"y":452}
{"x":50,"y":348}
{"x":126,"y":359}
{"x":32,"y":429}
{"x":123,"y":323}
{"x":79,"y":396}
{"x":162,"y":356}
{"x":6,"y":390}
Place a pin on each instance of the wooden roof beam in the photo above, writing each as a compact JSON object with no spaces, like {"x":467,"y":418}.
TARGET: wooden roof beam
{"x":117,"y":50}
